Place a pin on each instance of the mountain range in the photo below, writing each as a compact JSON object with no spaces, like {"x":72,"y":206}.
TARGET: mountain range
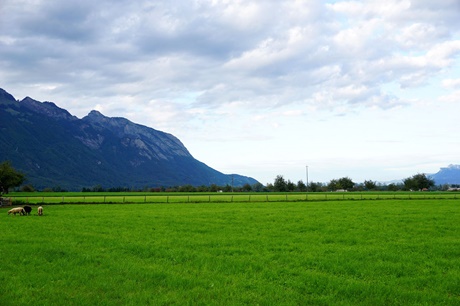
{"x":448,"y":175}
{"x":56,"y":149}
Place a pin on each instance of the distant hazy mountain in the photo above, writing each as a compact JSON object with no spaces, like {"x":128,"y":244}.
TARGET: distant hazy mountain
{"x":449,"y":175}
{"x":54,"y":148}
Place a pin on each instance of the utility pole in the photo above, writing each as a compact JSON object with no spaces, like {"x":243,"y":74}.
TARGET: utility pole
{"x":307,"y":176}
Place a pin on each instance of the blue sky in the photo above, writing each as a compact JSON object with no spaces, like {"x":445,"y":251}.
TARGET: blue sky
{"x":364,"y":89}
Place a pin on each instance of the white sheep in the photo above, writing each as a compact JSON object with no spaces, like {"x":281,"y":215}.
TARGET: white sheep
{"x":17,"y":210}
{"x":40,"y":210}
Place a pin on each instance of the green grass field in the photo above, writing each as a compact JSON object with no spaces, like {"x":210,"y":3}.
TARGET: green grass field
{"x":387,"y":252}
{"x":21,"y":198}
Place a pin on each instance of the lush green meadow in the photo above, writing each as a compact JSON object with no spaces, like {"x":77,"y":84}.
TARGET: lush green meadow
{"x":368,"y":252}
{"x":21,"y":198}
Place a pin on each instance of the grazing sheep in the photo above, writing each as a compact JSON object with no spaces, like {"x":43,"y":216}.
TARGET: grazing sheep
{"x":40,"y":210}
{"x":27,"y":210}
{"x":17,"y":210}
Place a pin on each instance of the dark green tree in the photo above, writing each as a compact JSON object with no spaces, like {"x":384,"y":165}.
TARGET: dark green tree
{"x":280,"y":184}
{"x":341,"y":183}
{"x":27,"y":188}
{"x":9,"y":177}
{"x":246,"y":187}
{"x":258,"y":187}
{"x":370,"y":185}
{"x":301,"y":186}
{"x":202,"y":188}
{"x":346,"y":183}
{"x":187,"y":188}
{"x":270,"y":187}
{"x":418,"y":182}
{"x":291,"y":186}
{"x":315,"y":187}
{"x":333,"y":185}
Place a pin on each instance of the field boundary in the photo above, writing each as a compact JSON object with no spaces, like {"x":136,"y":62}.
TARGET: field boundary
{"x":224,"y":198}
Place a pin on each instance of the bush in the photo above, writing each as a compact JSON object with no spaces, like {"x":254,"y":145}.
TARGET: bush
{"x":27,"y":188}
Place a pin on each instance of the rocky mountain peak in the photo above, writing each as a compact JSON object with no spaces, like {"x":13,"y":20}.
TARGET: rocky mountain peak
{"x":149,"y":143}
{"x":447,"y":175}
{"x":94,"y":114}
{"x":98,"y":118}
{"x":54,"y":148}
{"x":46,"y":108}
{"x":6,"y":98}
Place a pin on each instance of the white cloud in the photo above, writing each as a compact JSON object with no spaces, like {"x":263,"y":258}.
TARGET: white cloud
{"x":451,"y":83}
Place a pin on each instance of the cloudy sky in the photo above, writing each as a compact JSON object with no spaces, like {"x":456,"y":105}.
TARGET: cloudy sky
{"x":364,"y":89}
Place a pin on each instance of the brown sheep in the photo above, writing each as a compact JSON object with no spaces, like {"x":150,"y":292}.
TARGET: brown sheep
{"x":17,"y":210}
{"x":40,"y":210}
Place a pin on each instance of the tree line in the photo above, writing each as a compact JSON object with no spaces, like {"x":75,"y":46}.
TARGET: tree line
{"x":414,"y":183}
{"x":10,"y":178}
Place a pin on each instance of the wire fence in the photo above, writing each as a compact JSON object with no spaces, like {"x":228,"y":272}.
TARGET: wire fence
{"x":224,"y":198}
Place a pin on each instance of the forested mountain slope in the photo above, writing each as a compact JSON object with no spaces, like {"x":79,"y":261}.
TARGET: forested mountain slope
{"x":54,"y":148}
